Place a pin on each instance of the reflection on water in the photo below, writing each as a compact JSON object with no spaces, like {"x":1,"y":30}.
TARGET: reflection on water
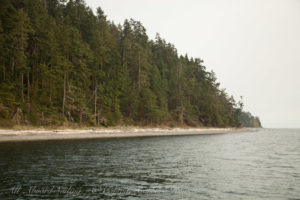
{"x":254,"y":165}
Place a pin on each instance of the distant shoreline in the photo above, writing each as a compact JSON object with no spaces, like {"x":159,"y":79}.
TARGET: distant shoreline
{"x":106,"y":133}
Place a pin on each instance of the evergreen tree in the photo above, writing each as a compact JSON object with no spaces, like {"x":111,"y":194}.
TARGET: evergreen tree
{"x":61,"y":63}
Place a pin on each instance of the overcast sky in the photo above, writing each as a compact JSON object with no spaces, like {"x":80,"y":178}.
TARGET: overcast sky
{"x":252,"y":45}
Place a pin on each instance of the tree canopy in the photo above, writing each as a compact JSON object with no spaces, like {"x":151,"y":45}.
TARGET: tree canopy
{"x":60,"y":62}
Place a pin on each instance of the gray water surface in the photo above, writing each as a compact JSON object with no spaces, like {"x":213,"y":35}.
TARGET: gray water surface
{"x":250,"y":165}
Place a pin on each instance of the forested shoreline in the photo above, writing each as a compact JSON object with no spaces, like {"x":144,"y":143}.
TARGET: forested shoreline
{"x":62,"y":64}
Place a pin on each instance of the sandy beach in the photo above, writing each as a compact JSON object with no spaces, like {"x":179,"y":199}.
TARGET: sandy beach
{"x":38,"y":134}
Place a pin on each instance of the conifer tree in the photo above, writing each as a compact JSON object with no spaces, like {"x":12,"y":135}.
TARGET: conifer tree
{"x":61,"y":63}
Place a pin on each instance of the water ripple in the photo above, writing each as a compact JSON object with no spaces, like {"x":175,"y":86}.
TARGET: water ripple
{"x":254,"y":165}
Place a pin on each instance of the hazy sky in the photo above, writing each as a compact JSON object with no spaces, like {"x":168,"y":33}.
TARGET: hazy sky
{"x":252,"y":45}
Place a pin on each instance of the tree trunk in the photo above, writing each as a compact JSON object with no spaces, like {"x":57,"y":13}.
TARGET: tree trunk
{"x":22,"y":86}
{"x":179,"y":93}
{"x":64,"y":98}
{"x":98,"y":122}
{"x":95,"y":106}
{"x":50,"y":86}
{"x":28,"y":108}
{"x":3,"y":72}
{"x":17,"y":118}
{"x":13,"y":66}
{"x":123,"y":60}
{"x":45,"y":4}
{"x":139,"y":71}
{"x":80,"y":117}
{"x":37,"y":78}
{"x":178,"y":85}
{"x":28,"y":87}
{"x":181,"y":113}
{"x":32,"y":78}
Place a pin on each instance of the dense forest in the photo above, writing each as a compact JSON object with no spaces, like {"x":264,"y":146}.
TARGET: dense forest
{"x":62,"y":64}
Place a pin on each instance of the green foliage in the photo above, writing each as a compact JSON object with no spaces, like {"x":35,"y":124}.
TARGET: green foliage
{"x":60,"y":63}
{"x":248,"y":120}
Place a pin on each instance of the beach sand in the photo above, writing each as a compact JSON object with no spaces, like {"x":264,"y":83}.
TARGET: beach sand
{"x":38,"y":134}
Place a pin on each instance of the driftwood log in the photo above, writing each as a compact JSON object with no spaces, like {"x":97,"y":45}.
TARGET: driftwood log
{"x":17,"y":118}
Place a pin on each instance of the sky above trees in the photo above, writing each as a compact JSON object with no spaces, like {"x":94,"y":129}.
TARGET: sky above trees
{"x":252,"y":45}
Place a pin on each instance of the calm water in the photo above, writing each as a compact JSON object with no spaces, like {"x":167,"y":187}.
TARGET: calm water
{"x":253,"y":165}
